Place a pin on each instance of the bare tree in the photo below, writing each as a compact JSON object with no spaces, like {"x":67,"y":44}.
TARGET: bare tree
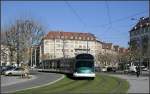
{"x":21,"y":36}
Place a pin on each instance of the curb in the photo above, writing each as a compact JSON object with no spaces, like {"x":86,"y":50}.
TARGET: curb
{"x":39,"y":86}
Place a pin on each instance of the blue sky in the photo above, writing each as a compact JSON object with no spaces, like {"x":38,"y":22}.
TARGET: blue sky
{"x":110,"y":21}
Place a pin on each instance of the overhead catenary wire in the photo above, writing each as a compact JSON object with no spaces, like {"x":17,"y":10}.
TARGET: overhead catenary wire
{"x":119,"y":20}
{"x":75,"y":13}
{"x":109,"y":17}
{"x":110,"y":22}
{"x":108,"y":13}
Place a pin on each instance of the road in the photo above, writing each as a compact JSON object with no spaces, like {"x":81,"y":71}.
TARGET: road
{"x":9,"y":80}
{"x":41,"y":78}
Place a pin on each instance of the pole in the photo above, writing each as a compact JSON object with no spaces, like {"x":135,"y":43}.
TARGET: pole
{"x":17,"y":48}
{"x":54,"y":55}
{"x":87,"y":45}
{"x":40,"y":54}
{"x":31,"y":56}
{"x":140,"y":48}
{"x":148,"y":46}
{"x":35,"y":58}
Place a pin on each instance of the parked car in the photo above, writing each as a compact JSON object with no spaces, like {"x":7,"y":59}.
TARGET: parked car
{"x":5,"y":68}
{"x":109,"y":69}
{"x":132,"y":69}
{"x":104,"y":69}
{"x":16,"y":71}
{"x":145,"y":69}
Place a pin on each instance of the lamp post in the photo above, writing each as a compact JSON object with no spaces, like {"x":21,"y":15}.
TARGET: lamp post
{"x":17,"y":48}
{"x":139,"y":42}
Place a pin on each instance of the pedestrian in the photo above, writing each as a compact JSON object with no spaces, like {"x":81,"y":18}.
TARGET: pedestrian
{"x":137,"y":71}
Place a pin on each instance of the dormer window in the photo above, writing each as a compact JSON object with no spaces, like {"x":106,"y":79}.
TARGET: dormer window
{"x":88,"y":38}
{"x":71,"y":37}
{"x":79,"y":37}
{"x":76,"y":37}
{"x":147,"y":24}
{"x":58,"y":37}
{"x":62,"y":37}
{"x":66,"y":37}
{"x":135,"y":27}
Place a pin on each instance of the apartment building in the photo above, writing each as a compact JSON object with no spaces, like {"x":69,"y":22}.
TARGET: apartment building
{"x":66,"y":44}
{"x":106,"y":54}
{"x":58,"y":44}
{"x":140,"y":40}
{"x":6,"y":57}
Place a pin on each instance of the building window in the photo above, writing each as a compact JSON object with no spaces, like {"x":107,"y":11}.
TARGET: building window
{"x":58,"y":37}
{"x":88,"y":38}
{"x":146,"y":29}
{"x":79,"y":37}
{"x":71,"y":50}
{"x":66,"y":37}
{"x":62,"y":37}
{"x":84,"y":47}
{"x":46,"y":42}
{"x":76,"y":37}
{"x":83,"y":38}
{"x":57,"y":40}
{"x":71,"y":37}
{"x":80,"y":46}
{"x":58,"y":45}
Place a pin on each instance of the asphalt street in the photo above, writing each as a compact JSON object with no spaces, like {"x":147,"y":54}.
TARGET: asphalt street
{"x":9,"y":80}
{"x":42,"y":78}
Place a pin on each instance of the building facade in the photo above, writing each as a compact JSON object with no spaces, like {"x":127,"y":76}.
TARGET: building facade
{"x":7,"y":59}
{"x":140,"y":41}
{"x":106,"y":54}
{"x":66,"y":44}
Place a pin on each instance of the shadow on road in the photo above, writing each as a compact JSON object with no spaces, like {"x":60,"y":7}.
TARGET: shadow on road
{"x":70,"y":76}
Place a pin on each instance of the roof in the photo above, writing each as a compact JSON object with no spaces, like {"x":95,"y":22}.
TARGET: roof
{"x":106,"y":45}
{"x":116,"y":47}
{"x":143,"y":22}
{"x":123,"y":50}
{"x":69,"y":35}
{"x":99,"y":41}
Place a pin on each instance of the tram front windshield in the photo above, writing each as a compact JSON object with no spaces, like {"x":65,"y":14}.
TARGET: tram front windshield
{"x":84,"y":64}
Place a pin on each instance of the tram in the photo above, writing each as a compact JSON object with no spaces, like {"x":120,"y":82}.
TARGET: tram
{"x":82,"y":65}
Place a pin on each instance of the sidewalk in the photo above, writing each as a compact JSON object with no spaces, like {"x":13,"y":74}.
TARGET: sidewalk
{"x":10,"y":80}
{"x":137,"y":85}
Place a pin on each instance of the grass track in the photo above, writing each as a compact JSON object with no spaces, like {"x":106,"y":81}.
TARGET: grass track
{"x":101,"y":84}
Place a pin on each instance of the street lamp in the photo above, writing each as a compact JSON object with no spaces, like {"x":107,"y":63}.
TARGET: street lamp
{"x":17,"y":48}
{"x":139,"y":42}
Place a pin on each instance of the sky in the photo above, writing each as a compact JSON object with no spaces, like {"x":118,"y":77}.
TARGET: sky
{"x":109,"y":21}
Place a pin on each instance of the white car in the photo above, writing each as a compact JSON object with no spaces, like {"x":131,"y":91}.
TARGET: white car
{"x":16,"y":71}
{"x":132,"y":68}
{"x":104,"y":69}
{"x":145,"y":69}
